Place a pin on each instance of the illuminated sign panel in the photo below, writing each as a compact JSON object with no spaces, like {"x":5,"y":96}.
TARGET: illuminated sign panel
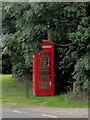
{"x":46,"y":46}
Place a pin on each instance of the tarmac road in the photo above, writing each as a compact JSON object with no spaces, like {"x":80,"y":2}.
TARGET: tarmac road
{"x":44,"y":112}
{"x":24,"y":113}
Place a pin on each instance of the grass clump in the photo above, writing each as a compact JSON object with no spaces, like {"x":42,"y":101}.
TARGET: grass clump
{"x":13,"y":95}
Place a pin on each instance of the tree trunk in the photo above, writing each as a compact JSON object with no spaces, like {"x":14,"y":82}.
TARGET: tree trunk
{"x":74,"y":88}
{"x":49,"y":33}
{"x":26,"y":78}
{"x":27,"y":88}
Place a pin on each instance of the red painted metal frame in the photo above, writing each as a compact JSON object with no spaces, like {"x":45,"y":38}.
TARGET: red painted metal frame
{"x":50,"y":87}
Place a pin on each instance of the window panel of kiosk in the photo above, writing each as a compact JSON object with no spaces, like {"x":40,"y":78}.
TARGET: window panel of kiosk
{"x":44,"y":84}
{"x":44,"y":77}
{"x":45,"y":54}
{"x":44,"y":68}
{"x":44,"y":72}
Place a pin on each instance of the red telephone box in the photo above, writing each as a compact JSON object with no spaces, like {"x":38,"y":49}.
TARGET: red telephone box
{"x":43,"y":70}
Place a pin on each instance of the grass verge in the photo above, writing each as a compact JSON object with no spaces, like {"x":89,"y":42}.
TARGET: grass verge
{"x":13,"y":95}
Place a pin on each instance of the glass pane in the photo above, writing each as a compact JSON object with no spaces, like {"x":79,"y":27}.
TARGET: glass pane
{"x":44,"y":72}
{"x":45,"y":54}
{"x":44,"y":63}
{"x":44,"y":77}
{"x":44,"y":68}
{"x":44,"y":59}
{"x":44,"y":82}
{"x":44,"y":87}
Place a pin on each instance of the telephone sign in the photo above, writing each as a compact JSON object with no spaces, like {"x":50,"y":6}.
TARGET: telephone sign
{"x":46,"y":46}
{"x":43,"y":70}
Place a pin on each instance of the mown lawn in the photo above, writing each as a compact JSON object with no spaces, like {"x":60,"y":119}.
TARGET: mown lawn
{"x":13,"y":91}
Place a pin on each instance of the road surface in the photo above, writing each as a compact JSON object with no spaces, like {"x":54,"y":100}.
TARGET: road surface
{"x":22,"y":113}
{"x":44,"y":112}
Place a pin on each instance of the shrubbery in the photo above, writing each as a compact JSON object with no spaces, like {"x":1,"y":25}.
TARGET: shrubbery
{"x":25,"y":24}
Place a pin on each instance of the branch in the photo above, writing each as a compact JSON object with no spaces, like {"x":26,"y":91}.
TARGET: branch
{"x":64,"y":45}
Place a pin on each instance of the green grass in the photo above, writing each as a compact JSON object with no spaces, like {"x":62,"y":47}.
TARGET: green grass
{"x":13,"y":91}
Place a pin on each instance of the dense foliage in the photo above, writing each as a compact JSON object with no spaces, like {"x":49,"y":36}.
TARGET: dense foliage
{"x":26,"y":24}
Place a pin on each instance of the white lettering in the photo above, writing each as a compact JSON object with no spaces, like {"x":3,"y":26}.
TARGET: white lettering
{"x":46,"y":46}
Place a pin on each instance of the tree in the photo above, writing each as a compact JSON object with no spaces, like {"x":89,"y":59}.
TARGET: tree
{"x":81,"y":38}
{"x":26,"y":24}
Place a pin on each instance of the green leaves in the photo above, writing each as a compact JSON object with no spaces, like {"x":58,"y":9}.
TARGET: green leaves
{"x":25,"y":25}
{"x":81,"y":71}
